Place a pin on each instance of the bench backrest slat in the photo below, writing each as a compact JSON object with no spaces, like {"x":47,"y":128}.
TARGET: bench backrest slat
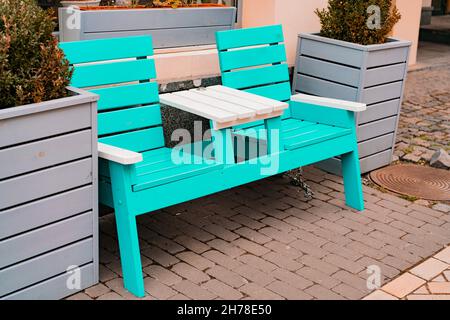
{"x":254,"y":60}
{"x":122,"y":71}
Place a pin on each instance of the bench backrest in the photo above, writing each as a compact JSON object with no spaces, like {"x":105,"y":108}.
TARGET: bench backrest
{"x":254,"y":60}
{"x":122,"y":71}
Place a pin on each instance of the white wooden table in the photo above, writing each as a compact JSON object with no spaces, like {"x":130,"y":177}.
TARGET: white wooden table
{"x":224,"y":106}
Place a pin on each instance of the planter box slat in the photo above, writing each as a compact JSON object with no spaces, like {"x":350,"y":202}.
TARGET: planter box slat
{"x":168,"y":27}
{"x":367,"y":164}
{"x":45,"y":153}
{"x":387,"y":56}
{"x":372,"y":74}
{"x":386,"y":74}
{"x":48,"y":196}
{"x":380,"y":110}
{"x":376,"y":145}
{"x":338,"y":54}
{"x":319,"y":87}
{"x":41,"y":125}
{"x":376,"y":128}
{"x":382,"y":93}
{"x":324,"y":70}
{"x":38,"y":213}
{"x":56,"y":287}
{"x":45,"y":182}
{"x":48,"y":238}
{"x":153,"y":19}
{"x":45,"y":266}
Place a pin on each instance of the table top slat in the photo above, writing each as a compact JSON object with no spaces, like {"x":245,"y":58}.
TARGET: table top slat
{"x":197,"y":108}
{"x":241,"y":112}
{"x":256,"y":106}
{"x":277,"y":105}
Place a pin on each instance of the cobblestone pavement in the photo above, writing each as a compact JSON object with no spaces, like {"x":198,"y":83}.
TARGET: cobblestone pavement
{"x":428,"y":281}
{"x":424,"y":124}
{"x":265,"y":241}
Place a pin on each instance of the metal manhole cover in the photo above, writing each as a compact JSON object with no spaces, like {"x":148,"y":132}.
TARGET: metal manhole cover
{"x":416,"y":181}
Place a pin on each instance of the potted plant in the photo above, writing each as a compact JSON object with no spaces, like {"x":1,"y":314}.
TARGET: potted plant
{"x":81,"y":3}
{"x":353,"y":58}
{"x":48,"y":211}
{"x":171,"y":23}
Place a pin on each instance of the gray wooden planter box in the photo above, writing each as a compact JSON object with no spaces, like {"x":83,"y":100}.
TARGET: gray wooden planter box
{"x":373,"y":74}
{"x":168,"y":27}
{"x":48,"y":197}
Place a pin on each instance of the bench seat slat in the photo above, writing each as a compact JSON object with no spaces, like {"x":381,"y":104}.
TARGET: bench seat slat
{"x":249,"y":37}
{"x":127,"y":95}
{"x":251,"y":57}
{"x":107,"y":49}
{"x":129,"y":119}
{"x":313,"y":135}
{"x":256,"y":77}
{"x":112,"y":73}
{"x":137,"y":141}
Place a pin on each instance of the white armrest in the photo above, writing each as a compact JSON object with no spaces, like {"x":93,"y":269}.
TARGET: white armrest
{"x":330,"y":103}
{"x":118,"y":155}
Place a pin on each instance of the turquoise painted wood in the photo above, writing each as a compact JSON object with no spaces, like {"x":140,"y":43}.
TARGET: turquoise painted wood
{"x":304,"y":125}
{"x":129,"y":118}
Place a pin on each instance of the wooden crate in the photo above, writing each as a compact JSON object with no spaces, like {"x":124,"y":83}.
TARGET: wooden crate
{"x":373,"y":74}
{"x":48,"y":197}
{"x":169,"y":28}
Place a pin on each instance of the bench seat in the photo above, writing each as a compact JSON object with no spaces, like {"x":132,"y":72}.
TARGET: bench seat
{"x":158,"y":168}
{"x":297,"y":133}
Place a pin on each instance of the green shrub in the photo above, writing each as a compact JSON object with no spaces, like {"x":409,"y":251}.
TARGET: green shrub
{"x":347,"y":20}
{"x":32,"y":67}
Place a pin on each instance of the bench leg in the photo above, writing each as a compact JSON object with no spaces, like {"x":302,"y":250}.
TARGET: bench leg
{"x":130,"y":256}
{"x":352,"y":180}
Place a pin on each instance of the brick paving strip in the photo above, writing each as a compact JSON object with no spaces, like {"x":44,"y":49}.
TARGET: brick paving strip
{"x":430,"y":280}
{"x":266,"y":241}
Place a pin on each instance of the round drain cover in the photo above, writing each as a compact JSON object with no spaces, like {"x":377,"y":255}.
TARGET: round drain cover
{"x":416,"y":181}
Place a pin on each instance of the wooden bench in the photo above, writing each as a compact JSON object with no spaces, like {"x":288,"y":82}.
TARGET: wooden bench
{"x":136,"y":171}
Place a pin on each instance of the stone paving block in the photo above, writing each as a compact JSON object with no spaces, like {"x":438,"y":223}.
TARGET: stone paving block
{"x":429,"y":269}
{"x":192,"y":274}
{"x":287,"y":291}
{"x":284,"y":249}
{"x":253,"y":235}
{"x":195,"y":260}
{"x":193,"y":291}
{"x":318,"y":264}
{"x":254,"y":275}
{"x":380,"y":295}
{"x":293,"y":279}
{"x":444,"y":255}
{"x":259,"y":293}
{"x":225,"y":247}
{"x":221,"y":232}
{"x":403,"y":285}
{"x":257,"y":262}
{"x":318,"y":277}
{"x":275,"y":234}
{"x":160,"y":256}
{"x":282,"y":261}
{"x":428,"y":297}
{"x":79,"y":296}
{"x":344,"y":252}
{"x":222,"y":290}
{"x":222,"y":259}
{"x":322,"y":293}
{"x":162,"y":274}
{"x":97,"y":290}
{"x":344,"y":263}
{"x":110,"y":296}
{"x":158,"y":290}
{"x":226,"y":276}
{"x":348,"y":292}
{"x":309,"y":248}
{"x":439,"y":287}
{"x":192,"y":244}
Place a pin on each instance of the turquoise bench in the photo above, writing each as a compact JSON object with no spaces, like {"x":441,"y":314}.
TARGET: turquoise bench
{"x":136,"y":171}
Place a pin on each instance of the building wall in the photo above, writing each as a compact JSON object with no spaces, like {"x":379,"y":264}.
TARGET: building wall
{"x":295,"y":15}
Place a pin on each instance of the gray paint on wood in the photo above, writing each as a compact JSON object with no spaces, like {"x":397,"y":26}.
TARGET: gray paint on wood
{"x":48,"y":195}
{"x":45,"y":153}
{"x":54,"y":288}
{"x":45,"y":266}
{"x":39,"y":213}
{"x":35,"y":242}
{"x":45,"y":182}
{"x":168,"y":27}
{"x":371,"y":74}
